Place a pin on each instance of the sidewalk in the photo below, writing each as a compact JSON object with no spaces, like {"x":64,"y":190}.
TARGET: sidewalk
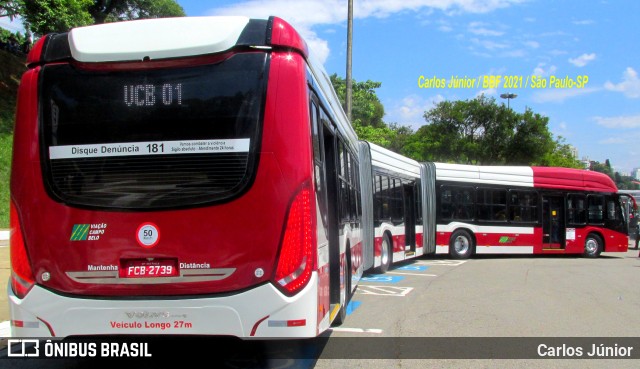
{"x":4,"y":237}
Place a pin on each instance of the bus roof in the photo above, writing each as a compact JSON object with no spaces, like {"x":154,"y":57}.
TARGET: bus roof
{"x":573,"y":179}
{"x":499,"y":175}
{"x":389,"y":160}
{"x":166,"y":38}
{"x":155,"y":38}
{"x":539,"y":177}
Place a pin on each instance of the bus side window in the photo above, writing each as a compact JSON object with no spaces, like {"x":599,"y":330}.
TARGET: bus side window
{"x":576,"y":209}
{"x":492,"y":204}
{"x":523,"y":206}
{"x":596,"y":209}
{"x":614,"y":210}
{"x":457,"y":203}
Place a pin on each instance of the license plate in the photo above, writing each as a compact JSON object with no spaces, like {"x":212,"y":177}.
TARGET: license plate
{"x":144,"y":268}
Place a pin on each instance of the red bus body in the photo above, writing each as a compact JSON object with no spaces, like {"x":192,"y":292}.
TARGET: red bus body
{"x":255,"y":264}
{"x":527,"y":210}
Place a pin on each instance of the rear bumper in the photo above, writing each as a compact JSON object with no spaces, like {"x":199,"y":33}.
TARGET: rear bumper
{"x":262,"y":312}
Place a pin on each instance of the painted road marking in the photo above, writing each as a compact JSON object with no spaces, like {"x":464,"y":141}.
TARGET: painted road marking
{"x":382,"y":279}
{"x":421,"y":275}
{"x":384,"y":290}
{"x":442,"y":262}
{"x":352,"y":306}
{"x":418,"y":268}
{"x":356,"y":330}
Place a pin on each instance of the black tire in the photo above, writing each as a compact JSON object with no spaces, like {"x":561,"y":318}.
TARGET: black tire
{"x":386,"y":255}
{"x":593,"y":246}
{"x":461,"y":244}
{"x":345,"y":295}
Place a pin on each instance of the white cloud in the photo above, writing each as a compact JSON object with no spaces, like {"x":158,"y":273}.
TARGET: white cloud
{"x":582,"y":60}
{"x":584,"y":22}
{"x":516,"y":53}
{"x":480,"y":29}
{"x":444,"y":26}
{"x":306,"y":14}
{"x":556,"y":52}
{"x":622,"y":122}
{"x":488,"y":92}
{"x":543,"y":70}
{"x":532,"y":44}
{"x":489,"y":45}
{"x":410,"y":110}
{"x":560,"y":95}
{"x":613,"y":141}
{"x":630,"y":85}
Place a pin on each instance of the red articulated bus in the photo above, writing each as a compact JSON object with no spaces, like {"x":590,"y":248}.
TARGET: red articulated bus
{"x":190,"y":175}
{"x":526,"y":210}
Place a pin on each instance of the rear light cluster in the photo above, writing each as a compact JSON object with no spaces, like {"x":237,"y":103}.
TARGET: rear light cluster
{"x":297,"y":253}
{"x":21,"y":274}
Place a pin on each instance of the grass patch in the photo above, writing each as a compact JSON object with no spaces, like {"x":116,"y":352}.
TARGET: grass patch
{"x":11,"y":69}
{"x":6,"y":143}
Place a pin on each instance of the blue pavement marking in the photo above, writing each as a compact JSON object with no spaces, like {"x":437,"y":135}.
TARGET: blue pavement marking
{"x":352,"y":306}
{"x":420,"y":268}
{"x":382,"y":279}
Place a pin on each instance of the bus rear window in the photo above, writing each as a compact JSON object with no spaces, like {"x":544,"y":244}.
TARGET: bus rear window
{"x":152,"y":139}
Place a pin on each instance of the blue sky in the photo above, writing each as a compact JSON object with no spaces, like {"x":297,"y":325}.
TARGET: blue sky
{"x":396,"y":42}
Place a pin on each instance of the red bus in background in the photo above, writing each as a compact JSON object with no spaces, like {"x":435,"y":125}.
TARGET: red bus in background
{"x":526,"y":210}
{"x":188,"y":175}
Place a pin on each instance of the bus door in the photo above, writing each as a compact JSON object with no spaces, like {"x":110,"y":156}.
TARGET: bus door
{"x":326,"y":183}
{"x":553,"y":223}
{"x":410,"y":216}
{"x":331,"y":183}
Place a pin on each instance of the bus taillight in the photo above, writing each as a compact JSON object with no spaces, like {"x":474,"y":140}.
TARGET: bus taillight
{"x":21,"y":274}
{"x":297,"y":257}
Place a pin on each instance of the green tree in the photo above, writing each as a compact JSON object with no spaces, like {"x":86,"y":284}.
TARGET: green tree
{"x":596,"y":166}
{"x":118,"y":10}
{"x":380,"y":136}
{"x":399,"y":138}
{"x":561,"y":156}
{"x":366,"y":108}
{"x":9,"y":8}
{"x":46,"y":16}
{"x":479,"y":131}
{"x":367,"y":111}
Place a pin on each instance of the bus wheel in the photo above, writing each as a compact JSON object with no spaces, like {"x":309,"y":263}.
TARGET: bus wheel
{"x":345,"y":292}
{"x":461,"y":244}
{"x":386,"y":255}
{"x":592,"y":246}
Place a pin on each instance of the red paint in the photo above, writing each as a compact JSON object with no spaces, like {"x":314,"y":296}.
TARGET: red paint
{"x":285,"y":35}
{"x":572,"y":179}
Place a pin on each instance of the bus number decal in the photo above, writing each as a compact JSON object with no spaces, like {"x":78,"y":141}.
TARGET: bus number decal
{"x":149,"y":148}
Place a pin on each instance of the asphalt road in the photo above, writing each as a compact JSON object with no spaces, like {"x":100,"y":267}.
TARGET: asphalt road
{"x":393,"y":316}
